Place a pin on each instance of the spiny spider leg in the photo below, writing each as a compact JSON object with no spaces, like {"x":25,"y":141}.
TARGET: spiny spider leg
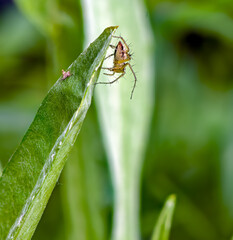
{"x":112,"y":53}
{"x":109,"y":74}
{"x":109,"y":69}
{"x":111,"y":81}
{"x":123,"y":40}
{"x":135,"y":79}
{"x":109,"y":56}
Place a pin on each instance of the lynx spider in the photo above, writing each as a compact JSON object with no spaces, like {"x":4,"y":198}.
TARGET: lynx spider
{"x":120,"y":62}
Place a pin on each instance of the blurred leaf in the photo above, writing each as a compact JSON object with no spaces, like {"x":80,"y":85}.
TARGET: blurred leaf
{"x":17,"y":34}
{"x":172,"y":19}
{"x":31,"y":174}
{"x":192,"y":124}
{"x":163,"y":226}
{"x":61,"y":23}
{"x":125,"y":123}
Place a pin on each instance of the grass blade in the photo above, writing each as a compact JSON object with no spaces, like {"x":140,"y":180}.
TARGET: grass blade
{"x":163,"y":225}
{"x":31,"y":174}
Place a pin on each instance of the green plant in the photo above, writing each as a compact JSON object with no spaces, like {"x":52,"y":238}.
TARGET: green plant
{"x":32,"y":172}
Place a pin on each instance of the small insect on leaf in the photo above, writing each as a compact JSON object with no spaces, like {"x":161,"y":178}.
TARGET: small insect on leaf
{"x":65,"y":74}
{"x":120,"y":62}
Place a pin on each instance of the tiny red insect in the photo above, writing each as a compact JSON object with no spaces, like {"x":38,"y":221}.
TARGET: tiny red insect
{"x":65,"y":74}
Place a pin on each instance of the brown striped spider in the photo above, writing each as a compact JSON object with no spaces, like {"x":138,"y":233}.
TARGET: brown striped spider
{"x":120,"y":62}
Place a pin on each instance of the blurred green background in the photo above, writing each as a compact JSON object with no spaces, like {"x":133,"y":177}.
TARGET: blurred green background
{"x":190,"y":150}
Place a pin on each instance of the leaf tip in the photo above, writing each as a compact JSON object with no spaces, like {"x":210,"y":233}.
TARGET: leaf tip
{"x":171,"y":200}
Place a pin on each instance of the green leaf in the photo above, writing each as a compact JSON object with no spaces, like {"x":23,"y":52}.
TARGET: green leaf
{"x":163,"y":225}
{"x":31,"y":174}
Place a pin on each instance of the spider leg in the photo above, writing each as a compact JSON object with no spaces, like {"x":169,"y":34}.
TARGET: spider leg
{"x":111,"y":81}
{"x":126,"y":45}
{"x":110,"y":69}
{"x":109,"y":56}
{"x":135,"y":79}
{"x":109,"y":74}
